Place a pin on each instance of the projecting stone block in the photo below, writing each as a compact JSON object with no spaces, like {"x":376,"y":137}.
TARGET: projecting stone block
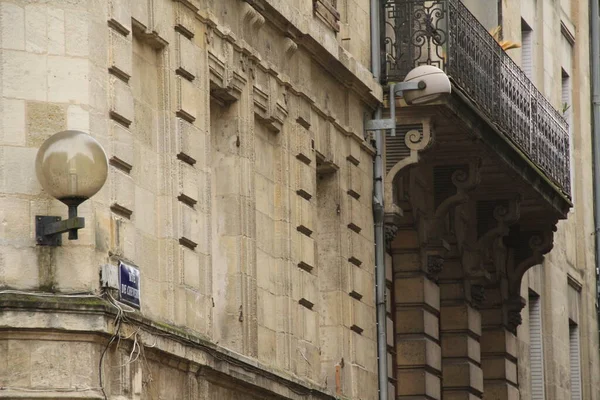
{"x":361,"y":284}
{"x":420,"y":351}
{"x":355,"y":181}
{"x":462,"y":375}
{"x":140,"y":11}
{"x":460,"y":317}
{"x":499,"y":367}
{"x":193,"y":269}
{"x":362,"y":318}
{"x":121,"y":147}
{"x":418,"y":382}
{"x":121,"y":101}
{"x":417,"y":290}
{"x":184,"y":20}
{"x":122,"y":191}
{"x":119,"y":12}
{"x":357,"y":218}
{"x":302,"y":144}
{"x":305,"y":180}
{"x":188,"y":184}
{"x":460,"y":345}
{"x":310,"y":324}
{"x":190,"y":226}
{"x":187,"y":56}
{"x":499,"y":341}
{"x":119,"y":55}
{"x":304,"y":216}
{"x":191,"y":143}
{"x":360,"y":249}
{"x":187,"y":101}
{"x":303,"y":250}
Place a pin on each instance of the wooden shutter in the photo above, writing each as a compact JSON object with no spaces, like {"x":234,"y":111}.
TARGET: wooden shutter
{"x":527,"y":50}
{"x":536,"y":352}
{"x":327,"y":11}
{"x":575,"y":361}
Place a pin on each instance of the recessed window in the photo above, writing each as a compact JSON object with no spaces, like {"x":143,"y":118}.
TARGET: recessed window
{"x":527,"y":57}
{"x":536,"y":349}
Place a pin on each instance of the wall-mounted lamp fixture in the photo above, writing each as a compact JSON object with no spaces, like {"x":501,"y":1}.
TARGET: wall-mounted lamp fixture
{"x":71,"y":166}
{"x":421,"y":85}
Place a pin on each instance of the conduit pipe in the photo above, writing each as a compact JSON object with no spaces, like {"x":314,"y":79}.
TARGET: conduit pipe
{"x":378,"y":212}
{"x":595,"y":71}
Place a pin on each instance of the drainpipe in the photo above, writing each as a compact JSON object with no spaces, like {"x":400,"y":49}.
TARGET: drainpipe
{"x":595,"y":68}
{"x":378,"y":212}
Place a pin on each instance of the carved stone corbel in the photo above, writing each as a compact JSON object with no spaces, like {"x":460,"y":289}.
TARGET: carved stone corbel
{"x":529,"y":248}
{"x":290,"y":47}
{"x":451,"y":185}
{"x":403,"y":150}
{"x":251,"y":18}
{"x":513,"y":307}
{"x":477,"y":295}
{"x":535,"y":245}
{"x":392,"y":221}
{"x":475,"y":258}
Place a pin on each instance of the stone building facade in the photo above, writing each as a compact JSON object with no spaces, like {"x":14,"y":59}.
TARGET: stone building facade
{"x":240,"y":184}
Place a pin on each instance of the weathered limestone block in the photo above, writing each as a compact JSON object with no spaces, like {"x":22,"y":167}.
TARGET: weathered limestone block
{"x":120,"y":15}
{"x":121,"y":101}
{"x":122,"y":191}
{"x":121,"y":151}
{"x":120,"y":54}
{"x":191,"y":143}
{"x":187,"y":57}
{"x":187,"y":100}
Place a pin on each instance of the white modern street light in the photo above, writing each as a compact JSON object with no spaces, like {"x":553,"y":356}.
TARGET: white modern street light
{"x":71,"y":166}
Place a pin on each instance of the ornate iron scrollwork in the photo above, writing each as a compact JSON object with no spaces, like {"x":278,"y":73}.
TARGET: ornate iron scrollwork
{"x":444,"y":33}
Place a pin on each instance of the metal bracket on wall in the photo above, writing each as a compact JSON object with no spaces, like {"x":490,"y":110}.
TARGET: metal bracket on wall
{"x":379,"y":124}
{"x":49,"y":229}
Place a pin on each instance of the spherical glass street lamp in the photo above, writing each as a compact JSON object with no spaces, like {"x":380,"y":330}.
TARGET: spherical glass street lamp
{"x":71,"y":166}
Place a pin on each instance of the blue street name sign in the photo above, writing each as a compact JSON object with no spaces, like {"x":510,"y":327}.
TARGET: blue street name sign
{"x":129,"y":284}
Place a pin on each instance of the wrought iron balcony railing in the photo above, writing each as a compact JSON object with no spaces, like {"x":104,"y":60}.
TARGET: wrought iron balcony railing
{"x":444,"y":33}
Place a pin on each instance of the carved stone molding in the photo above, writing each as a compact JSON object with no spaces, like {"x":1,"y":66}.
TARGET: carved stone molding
{"x":392,"y":221}
{"x":477,"y":294}
{"x":513,"y":316}
{"x":226,"y":84}
{"x":494,"y":219}
{"x":435,"y":264}
{"x":251,"y":18}
{"x":290,"y":47}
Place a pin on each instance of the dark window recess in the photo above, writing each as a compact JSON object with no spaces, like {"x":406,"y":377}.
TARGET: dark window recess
{"x":327,"y":11}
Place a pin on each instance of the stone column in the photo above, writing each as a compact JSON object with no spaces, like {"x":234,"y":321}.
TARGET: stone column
{"x":417,"y":304}
{"x":498,"y":353}
{"x":460,"y":326}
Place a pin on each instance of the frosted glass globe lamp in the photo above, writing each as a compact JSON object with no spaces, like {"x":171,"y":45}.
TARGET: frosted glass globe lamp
{"x":71,"y":166}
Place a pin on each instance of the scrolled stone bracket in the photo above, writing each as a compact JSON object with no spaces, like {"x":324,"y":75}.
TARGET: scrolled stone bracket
{"x":392,"y":222}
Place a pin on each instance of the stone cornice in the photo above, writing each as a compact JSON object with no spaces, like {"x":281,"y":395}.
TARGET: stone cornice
{"x":188,"y":351}
{"x":349,"y":72}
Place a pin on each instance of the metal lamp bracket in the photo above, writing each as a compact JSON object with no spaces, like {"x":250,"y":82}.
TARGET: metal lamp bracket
{"x":49,"y":229}
{"x":390,"y":123}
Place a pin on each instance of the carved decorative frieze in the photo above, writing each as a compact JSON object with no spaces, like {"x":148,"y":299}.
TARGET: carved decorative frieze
{"x":477,"y":295}
{"x":435,"y":264}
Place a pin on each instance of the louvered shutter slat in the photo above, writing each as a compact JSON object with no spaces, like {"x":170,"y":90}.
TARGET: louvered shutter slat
{"x":536,"y":353}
